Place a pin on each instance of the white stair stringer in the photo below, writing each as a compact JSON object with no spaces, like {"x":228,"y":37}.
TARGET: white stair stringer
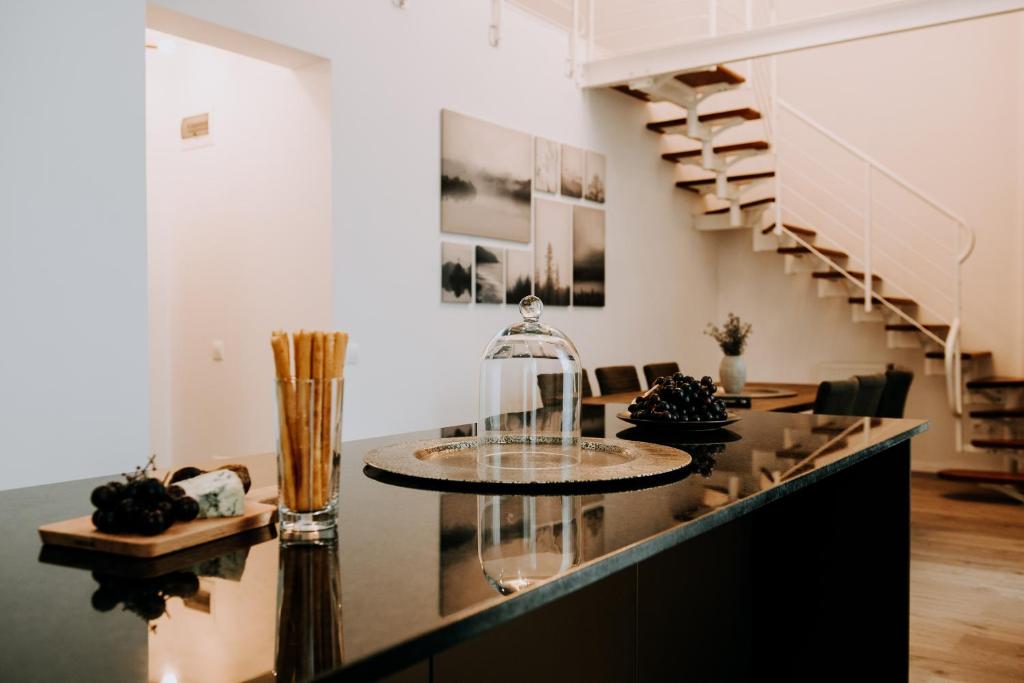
{"x":749,"y":219}
{"x":878,"y":314}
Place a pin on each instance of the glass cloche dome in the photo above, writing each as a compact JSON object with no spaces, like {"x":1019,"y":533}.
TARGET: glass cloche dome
{"x":529,"y":396}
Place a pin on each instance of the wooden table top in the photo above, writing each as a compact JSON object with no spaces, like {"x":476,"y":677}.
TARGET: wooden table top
{"x":804,"y":399}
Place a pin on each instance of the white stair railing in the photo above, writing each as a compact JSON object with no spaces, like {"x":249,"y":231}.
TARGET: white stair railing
{"x":813,"y":186}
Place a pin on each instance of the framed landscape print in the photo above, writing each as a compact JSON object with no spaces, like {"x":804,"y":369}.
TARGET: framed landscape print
{"x":552,"y":279}
{"x":490,"y":275}
{"x":456,"y":273}
{"x":486,"y":179}
{"x":595,"y":177}
{"x":572,"y":171}
{"x":518,"y":275}
{"x":587,"y":256}
{"x":546,"y":168}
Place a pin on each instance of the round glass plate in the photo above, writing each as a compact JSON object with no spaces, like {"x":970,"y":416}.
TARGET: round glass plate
{"x":662,"y":426}
{"x":540,"y":462}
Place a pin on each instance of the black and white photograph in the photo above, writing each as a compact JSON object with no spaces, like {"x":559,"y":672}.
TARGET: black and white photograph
{"x":572,"y":171}
{"x":486,"y":179}
{"x":587,"y":256}
{"x":545,"y":162}
{"x":456,"y":273}
{"x":490,"y":275}
{"x":553,"y":253}
{"x":518,"y":275}
{"x":595,"y":177}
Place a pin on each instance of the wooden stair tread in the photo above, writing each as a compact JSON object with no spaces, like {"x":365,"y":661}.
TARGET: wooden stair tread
{"x":897,"y":300}
{"x":996,"y":382}
{"x":1010,"y":444}
{"x":715,"y":76}
{"x":907,"y":327}
{"x":981,"y":477}
{"x":797,"y":251}
{"x":744,"y":205}
{"x":964,"y":355}
{"x":996,"y":413}
{"x":806,"y":231}
{"x":744,"y":178}
{"x":836,"y":275}
{"x":745,"y":113}
{"x":722,"y":149}
{"x":638,"y":94}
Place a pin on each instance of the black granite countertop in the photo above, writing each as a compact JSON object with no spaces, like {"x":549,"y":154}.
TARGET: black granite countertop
{"x":413,"y":571}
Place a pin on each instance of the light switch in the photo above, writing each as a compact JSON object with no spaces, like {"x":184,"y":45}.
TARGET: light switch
{"x":218,"y":350}
{"x":352,"y":355}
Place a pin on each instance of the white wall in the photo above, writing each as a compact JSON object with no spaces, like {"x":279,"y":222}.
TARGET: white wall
{"x":393,"y":71}
{"x":73,"y":399}
{"x":239,"y":238}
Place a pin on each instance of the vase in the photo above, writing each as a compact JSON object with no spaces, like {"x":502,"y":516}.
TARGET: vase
{"x":733,"y":374}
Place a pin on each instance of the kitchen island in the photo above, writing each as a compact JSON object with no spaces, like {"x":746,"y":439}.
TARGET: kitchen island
{"x":782,"y":554}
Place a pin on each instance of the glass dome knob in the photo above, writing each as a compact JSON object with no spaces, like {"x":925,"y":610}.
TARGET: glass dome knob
{"x":531,"y":307}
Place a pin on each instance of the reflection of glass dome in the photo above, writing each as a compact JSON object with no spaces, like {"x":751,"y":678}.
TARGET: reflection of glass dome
{"x":524,"y":540}
{"x":529,"y":395}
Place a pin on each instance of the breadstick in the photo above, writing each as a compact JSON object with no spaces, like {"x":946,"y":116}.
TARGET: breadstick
{"x":303,"y":372}
{"x":286,"y":414}
{"x":340,"y":347}
{"x":282,"y":358}
{"x":316,"y":472}
{"x":328,"y":421}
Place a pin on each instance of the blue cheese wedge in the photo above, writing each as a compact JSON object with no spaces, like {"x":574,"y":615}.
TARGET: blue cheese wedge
{"x":219,"y":493}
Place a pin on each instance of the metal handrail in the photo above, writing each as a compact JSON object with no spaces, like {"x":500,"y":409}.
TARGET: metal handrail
{"x":858,"y":282}
{"x":877,"y":165}
{"x":954,"y":369}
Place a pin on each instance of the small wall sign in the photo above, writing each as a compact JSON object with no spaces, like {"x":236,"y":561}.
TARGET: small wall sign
{"x":195,"y":126}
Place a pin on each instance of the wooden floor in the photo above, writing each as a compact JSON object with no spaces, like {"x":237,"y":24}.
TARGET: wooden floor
{"x":967,"y":584}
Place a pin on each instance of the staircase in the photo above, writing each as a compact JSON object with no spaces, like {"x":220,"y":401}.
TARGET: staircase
{"x":782,"y":202}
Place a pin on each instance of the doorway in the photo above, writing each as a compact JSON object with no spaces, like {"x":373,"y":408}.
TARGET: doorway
{"x":238,"y":163}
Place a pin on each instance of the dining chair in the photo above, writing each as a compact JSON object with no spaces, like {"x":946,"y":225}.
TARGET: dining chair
{"x":894,"y":395}
{"x":617,"y":379}
{"x":869,"y":393}
{"x":550,"y":385}
{"x":656,"y":370}
{"x":835,"y":397}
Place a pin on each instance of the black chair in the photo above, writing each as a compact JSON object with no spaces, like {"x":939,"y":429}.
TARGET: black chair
{"x":894,"y":395}
{"x":656,"y":370}
{"x":550,"y":385}
{"x":869,"y":393}
{"x":586,"y":392}
{"x":835,"y":397}
{"x":617,"y":379}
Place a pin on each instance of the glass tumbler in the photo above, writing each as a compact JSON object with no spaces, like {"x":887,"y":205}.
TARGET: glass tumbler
{"x":308,"y":455}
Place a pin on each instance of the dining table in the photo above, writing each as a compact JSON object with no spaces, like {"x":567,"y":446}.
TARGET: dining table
{"x":800,"y":397}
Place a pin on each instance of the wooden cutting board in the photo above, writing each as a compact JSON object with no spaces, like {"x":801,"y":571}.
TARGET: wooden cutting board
{"x":80,"y":533}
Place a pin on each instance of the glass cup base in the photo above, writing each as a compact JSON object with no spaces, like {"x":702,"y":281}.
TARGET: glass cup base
{"x":320,"y":526}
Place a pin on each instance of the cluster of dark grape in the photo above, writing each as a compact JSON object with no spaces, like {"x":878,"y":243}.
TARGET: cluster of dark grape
{"x":144,"y":597}
{"x":141,"y":505}
{"x":704,"y":457}
{"x":679,"y":398}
